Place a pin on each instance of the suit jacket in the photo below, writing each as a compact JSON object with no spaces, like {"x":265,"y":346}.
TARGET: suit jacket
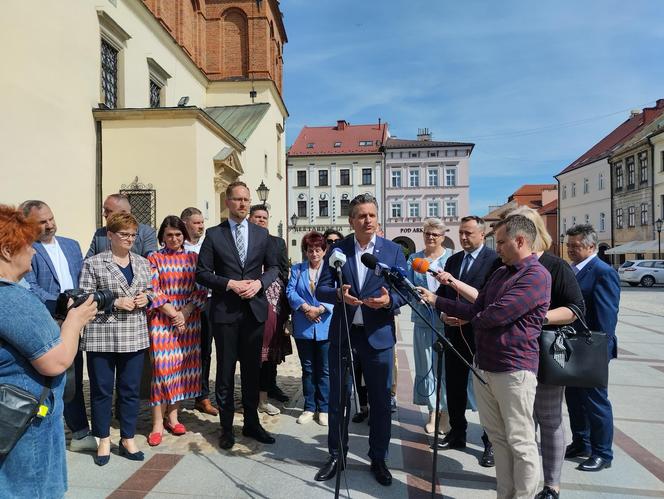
{"x":378,"y":324}
{"x":219,"y":262}
{"x":299,"y":292}
{"x":282,"y":255}
{"x":116,"y":330}
{"x":43,"y":278}
{"x":144,"y":244}
{"x":600,"y":286}
{"x":485,"y":264}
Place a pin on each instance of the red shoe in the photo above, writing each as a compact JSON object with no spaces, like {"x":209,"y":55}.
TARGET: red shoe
{"x":154,"y":439}
{"x":177,"y":429}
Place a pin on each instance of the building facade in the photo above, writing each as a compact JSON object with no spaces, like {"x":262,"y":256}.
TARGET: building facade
{"x":327,"y":167}
{"x":425,"y":179}
{"x":166,"y":100}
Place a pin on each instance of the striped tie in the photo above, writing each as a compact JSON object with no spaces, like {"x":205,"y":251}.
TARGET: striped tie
{"x":241,"y":246}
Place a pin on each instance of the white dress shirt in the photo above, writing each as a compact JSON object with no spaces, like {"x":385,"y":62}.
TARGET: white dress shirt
{"x":60,"y":264}
{"x":244,"y":228}
{"x":196,"y":248}
{"x":362,"y":270}
{"x":579,"y":266}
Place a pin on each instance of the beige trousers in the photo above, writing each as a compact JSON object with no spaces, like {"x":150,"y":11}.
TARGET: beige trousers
{"x":505,"y":406}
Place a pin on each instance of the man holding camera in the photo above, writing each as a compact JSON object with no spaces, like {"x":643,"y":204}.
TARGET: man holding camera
{"x":56,"y":266}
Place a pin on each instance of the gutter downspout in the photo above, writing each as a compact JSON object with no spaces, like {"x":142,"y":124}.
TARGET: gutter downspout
{"x":651,"y":181}
{"x":98,"y":174}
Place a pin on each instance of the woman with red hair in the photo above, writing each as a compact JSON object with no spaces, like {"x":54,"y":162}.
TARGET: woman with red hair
{"x":34,"y":355}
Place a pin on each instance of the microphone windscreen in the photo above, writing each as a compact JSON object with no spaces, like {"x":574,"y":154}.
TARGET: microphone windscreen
{"x":420,"y":265}
{"x":369,"y":260}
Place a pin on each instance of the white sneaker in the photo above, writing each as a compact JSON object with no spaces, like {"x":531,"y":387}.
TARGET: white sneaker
{"x":305,"y":417}
{"x":85,"y":444}
{"x":322,"y":418}
{"x":268,"y":409}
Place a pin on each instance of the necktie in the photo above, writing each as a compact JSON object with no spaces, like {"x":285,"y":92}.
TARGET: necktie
{"x":464,"y":265}
{"x":241,"y":245}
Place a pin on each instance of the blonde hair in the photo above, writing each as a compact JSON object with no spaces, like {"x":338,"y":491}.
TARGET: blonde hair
{"x":543,"y":240}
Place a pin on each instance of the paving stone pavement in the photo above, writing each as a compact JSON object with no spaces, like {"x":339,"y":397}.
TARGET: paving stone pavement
{"x":193,"y":466}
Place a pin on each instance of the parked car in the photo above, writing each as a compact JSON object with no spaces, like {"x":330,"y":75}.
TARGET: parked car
{"x":643,"y":272}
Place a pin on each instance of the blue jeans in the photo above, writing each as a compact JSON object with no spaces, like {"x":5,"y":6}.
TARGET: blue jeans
{"x":104,"y":368}
{"x":315,"y":373}
{"x":74,"y":411}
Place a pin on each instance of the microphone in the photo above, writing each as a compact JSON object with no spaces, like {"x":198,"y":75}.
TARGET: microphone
{"x":421,"y":266}
{"x":337,"y":259}
{"x":393,"y":275}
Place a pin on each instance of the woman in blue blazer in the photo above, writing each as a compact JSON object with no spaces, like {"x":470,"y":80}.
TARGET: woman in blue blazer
{"x":424,"y":387}
{"x":311,"y":321}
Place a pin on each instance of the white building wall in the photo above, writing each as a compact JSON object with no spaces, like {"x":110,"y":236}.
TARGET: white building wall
{"x":573,"y":209}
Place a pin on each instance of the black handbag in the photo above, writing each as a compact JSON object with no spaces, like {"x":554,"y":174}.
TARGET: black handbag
{"x":572,"y":356}
{"x":18,"y":408}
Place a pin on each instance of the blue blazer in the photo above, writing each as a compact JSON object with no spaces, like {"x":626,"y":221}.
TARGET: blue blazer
{"x":378,"y":324}
{"x":600,"y":286}
{"x":43,"y":279}
{"x":299,"y":292}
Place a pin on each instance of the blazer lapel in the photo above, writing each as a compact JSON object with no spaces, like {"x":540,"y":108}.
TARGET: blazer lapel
{"x":371,"y":274}
{"x":228,"y":237}
{"x":39,"y":247}
{"x":586,"y":269}
{"x":117,"y":274}
{"x":348,"y":247}
{"x":304,"y":277}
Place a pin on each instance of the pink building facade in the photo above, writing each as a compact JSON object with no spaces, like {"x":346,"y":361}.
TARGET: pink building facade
{"x":425,"y":179}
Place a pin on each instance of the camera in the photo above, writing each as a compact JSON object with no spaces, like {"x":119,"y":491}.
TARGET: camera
{"x":103,"y":298}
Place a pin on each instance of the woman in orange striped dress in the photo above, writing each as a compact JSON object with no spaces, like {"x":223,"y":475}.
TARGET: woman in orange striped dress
{"x":175,"y":328}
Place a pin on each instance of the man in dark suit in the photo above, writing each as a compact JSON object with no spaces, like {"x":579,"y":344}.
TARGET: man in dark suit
{"x":590,"y":413}
{"x":474,"y":265}
{"x":237,"y":262}
{"x":260,"y":215}
{"x":56,"y":267}
{"x":146,"y":238}
{"x":370,"y":308}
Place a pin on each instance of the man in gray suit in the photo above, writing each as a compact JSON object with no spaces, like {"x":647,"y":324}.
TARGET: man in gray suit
{"x":146,"y":238}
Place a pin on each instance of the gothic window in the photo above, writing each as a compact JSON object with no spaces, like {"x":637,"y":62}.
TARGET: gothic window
{"x":109,"y":74}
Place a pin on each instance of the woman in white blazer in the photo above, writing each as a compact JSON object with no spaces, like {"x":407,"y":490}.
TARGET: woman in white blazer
{"x":311,"y":321}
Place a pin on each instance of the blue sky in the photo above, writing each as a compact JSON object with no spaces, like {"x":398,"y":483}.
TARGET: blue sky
{"x":532,"y":84}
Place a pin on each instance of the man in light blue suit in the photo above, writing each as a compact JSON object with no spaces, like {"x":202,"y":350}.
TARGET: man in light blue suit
{"x":370,"y":309}
{"x":56,"y":267}
{"x":590,"y":413}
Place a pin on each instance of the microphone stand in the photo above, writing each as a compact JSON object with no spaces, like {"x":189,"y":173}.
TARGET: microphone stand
{"x":346,"y":371}
{"x":439,"y":346}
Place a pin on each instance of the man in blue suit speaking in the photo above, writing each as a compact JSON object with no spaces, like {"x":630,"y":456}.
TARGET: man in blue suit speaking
{"x":370,"y":308}
{"x":590,"y":413}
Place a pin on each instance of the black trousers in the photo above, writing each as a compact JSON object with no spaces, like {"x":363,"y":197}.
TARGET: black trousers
{"x":362,"y":396}
{"x":206,"y":352}
{"x":241,"y":340}
{"x":456,"y":378}
{"x":268,"y":376}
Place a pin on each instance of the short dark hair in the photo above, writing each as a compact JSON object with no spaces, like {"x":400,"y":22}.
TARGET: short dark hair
{"x":173,"y":222}
{"x":189,"y":212}
{"x":258,"y":207}
{"x":518,"y":225}
{"x":314,"y":239}
{"x":332,"y":232}
{"x":27,"y":206}
{"x":587,"y":231}
{"x":233,"y":185}
{"x":470,"y":218}
{"x":365,"y":198}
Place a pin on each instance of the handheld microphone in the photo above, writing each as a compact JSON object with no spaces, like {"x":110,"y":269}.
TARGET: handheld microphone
{"x":421,"y":266}
{"x":337,"y":259}
{"x":393,"y":275}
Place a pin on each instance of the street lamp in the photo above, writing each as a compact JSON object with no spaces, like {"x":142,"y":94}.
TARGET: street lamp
{"x":293,"y":220}
{"x":562,"y":240}
{"x":658,"y":226}
{"x":262,"y":192}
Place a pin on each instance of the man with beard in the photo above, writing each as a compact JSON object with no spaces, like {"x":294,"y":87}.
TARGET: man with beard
{"x":56,"y":267}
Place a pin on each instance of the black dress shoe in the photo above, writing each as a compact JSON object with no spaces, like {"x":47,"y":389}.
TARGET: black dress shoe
{"x":576,"y":449}
{"x":452,"y":441}
{"x":380,"y":472}
{"x":277,"y":393}
{"x":594,"y":463}
{"x":329,"y":469}
{"x":102,"y":460}
{"x":360,"y":416}
{"x":259,"y":434}
{"x":487,"y":460}
{"x":226,"y":440}
{"x":547,"y":493}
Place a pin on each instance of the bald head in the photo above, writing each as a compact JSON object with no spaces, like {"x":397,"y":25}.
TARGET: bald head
{"x":116,"y":203}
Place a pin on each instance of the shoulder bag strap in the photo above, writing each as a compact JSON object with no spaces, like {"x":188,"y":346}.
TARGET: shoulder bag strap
{"x":579,"y":315}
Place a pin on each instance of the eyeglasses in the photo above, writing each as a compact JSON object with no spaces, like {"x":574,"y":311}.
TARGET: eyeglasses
{"x":432,"y":234}
{"x":331,"y":241}
{"x":126,"y":235}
